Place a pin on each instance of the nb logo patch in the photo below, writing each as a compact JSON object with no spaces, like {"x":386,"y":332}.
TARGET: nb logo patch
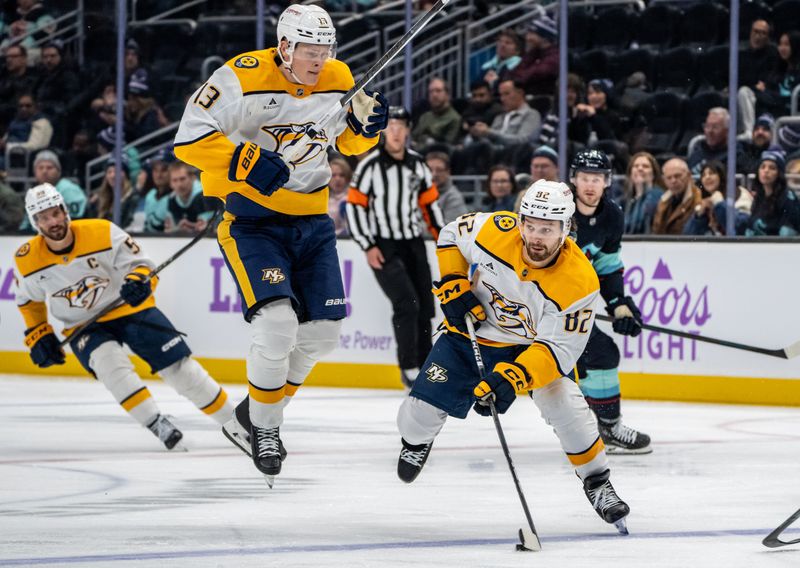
{"x":246,"y":62}
{"x":272,"y":275}
{"x":436,"y":374}
{"x":81,"y":345}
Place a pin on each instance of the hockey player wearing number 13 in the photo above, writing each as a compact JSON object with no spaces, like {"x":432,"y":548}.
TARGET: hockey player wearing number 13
{"x":533,"y":293}
{"x":81,"y":267}
{"x":600,"y":224}
{"x":276,"y":236}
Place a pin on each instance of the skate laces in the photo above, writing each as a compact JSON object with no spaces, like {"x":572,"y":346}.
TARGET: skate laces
{"x":415,"y":458}
{"x":624,"y":433}
{"x":267,"y":441}
{"x":604,"y":496}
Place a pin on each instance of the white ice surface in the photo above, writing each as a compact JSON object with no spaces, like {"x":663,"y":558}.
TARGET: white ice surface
{"x":81,"y":484}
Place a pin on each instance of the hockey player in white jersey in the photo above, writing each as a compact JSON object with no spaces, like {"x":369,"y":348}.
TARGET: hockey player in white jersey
{"x":80,"y":268}
{"x":532,"y":293}
{"x":276,"y":237}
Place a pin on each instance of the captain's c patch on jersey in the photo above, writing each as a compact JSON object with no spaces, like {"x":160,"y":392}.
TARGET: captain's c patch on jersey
{"x":246,"y":62}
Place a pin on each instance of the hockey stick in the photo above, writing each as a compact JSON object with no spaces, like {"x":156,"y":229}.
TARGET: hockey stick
{"x":772,"y":540}
{"x":295,"y":151}
{"x":119,"y":301}
{"x":789,"y":352}
{"x":529,"y":538}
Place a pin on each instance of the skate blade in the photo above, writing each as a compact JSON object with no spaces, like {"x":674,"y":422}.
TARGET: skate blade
{"x":240,"y":445}
{"x":528,"y":541}
{"x":179,"y":448}
{"x":622,"y":527}
{"x":617,"y":451}
{"x":270,"y":479}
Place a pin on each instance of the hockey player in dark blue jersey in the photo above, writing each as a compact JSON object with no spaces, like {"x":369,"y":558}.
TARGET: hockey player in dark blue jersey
{"x":600,"y":224}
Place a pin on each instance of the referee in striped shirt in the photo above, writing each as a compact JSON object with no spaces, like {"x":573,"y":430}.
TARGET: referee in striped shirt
{"x":391,"y":188}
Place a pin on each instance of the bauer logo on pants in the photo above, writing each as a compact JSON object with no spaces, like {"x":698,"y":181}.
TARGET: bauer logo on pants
{"x":436,"y":373}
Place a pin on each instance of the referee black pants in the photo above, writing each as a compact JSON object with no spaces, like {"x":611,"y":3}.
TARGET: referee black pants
{"x":406,"y":280}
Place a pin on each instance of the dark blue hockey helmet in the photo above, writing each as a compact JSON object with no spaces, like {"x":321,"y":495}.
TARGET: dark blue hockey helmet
{"x":594,"y":161}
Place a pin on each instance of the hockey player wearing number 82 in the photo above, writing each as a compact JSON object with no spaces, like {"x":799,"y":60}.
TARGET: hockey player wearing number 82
{"x":276,"y":237}
{"x":600,"y":224}
{"x":81,"y":267}
{"x":533,"y":293}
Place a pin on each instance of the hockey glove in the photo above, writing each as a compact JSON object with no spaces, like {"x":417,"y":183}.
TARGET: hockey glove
{"x":136,"y":288}
{"x":627,"y":317}
{"x":457,"y":301}
{"x":42,"y":342}
{"x":369,"y":113}
{"x":258,"y":168}
{"x":503,"y":384}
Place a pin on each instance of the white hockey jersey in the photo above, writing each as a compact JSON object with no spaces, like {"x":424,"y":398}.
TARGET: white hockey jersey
{"x":81,"y":282}
{"x":551,"y":309}
{"x":249,"y":99}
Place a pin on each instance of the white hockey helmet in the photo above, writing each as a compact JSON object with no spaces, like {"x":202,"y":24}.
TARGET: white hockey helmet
{"x":300,"y":23}
{"x":42,"y":197}
{"x":549,"y":200}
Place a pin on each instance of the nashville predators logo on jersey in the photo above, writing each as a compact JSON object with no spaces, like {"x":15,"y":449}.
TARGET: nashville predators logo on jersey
{"x":272,"y":275}
{"x":511,"y":316}
{"x":287,"y":135}
{"x":23,"y":250}
{"x":505,"y":222}
{"x":246,"y":62}
{"x":85,"y":293}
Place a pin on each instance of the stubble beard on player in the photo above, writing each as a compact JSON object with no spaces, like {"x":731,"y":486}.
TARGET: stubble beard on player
{"x":543,"y":253}
{"x":56,"y":232}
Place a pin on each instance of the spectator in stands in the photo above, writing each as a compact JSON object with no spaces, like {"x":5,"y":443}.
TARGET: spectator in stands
{"x":510,"y":132}
{"x":578,"y":127}
{"x":29,"y":131}
{"x":501,"y":189}
{"x":341,"y":174}
{"x":714,"y":145}
{"x":679,"y":201}
{"x":104,"y":109}
{"x":711,"y":213}
{"x":605,"y":122}
{"x":133,"y":64}
{"x":793,"y":175}
{"x":12,"y":208}
{"x":80,"y":153}
{"x":544,"y":165}
{"x":187,"y":209}
{"x":450,"y":200}
{"x":101,"y":200}
{"x":142,"y":114}
{"x":641,"y":192}
{"x":635,"y":91}
{"x":506,"y":57}
{"x":59,"y":85}
{"x":156,"y":191}
{"x":774,"y":94}
{"x":481,"y":106}
{"x":47,"y":169}
{"x":789,"y":140}
{"x":17,"y":79}
{"x":760,"y":140}
{"x":776,"y":210}
{"x":106,"y":141}
{"x":441,"y":125}
{"x":33,"y":25}
{"x":758,"y":62}
{"x":538,"y":70}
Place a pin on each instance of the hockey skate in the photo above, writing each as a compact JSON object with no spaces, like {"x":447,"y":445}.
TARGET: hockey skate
{"x":265,"y":444}
{"x":240,"y":437}
{"x":411,"y":460}
{"x":620,"y":439}
{"x":166,"y":431}
{"x":605,"y":500}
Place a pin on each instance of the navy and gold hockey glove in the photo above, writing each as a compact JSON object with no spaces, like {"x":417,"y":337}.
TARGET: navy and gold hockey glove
{"x":458,"y":300}
{"x":136,"y":288}
{"x":627,"y":317}
{"x":261,"y":169}
{"x":507,"y":379}
{"x":45,"y":350}
{"x":369,"y":113}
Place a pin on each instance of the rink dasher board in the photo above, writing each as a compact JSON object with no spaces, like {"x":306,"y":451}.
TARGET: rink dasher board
{"x":735,"y":290}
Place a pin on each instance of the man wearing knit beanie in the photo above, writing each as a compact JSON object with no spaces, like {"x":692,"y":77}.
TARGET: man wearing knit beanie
{"x":538,"y":69}
{"x":47,"y":169}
